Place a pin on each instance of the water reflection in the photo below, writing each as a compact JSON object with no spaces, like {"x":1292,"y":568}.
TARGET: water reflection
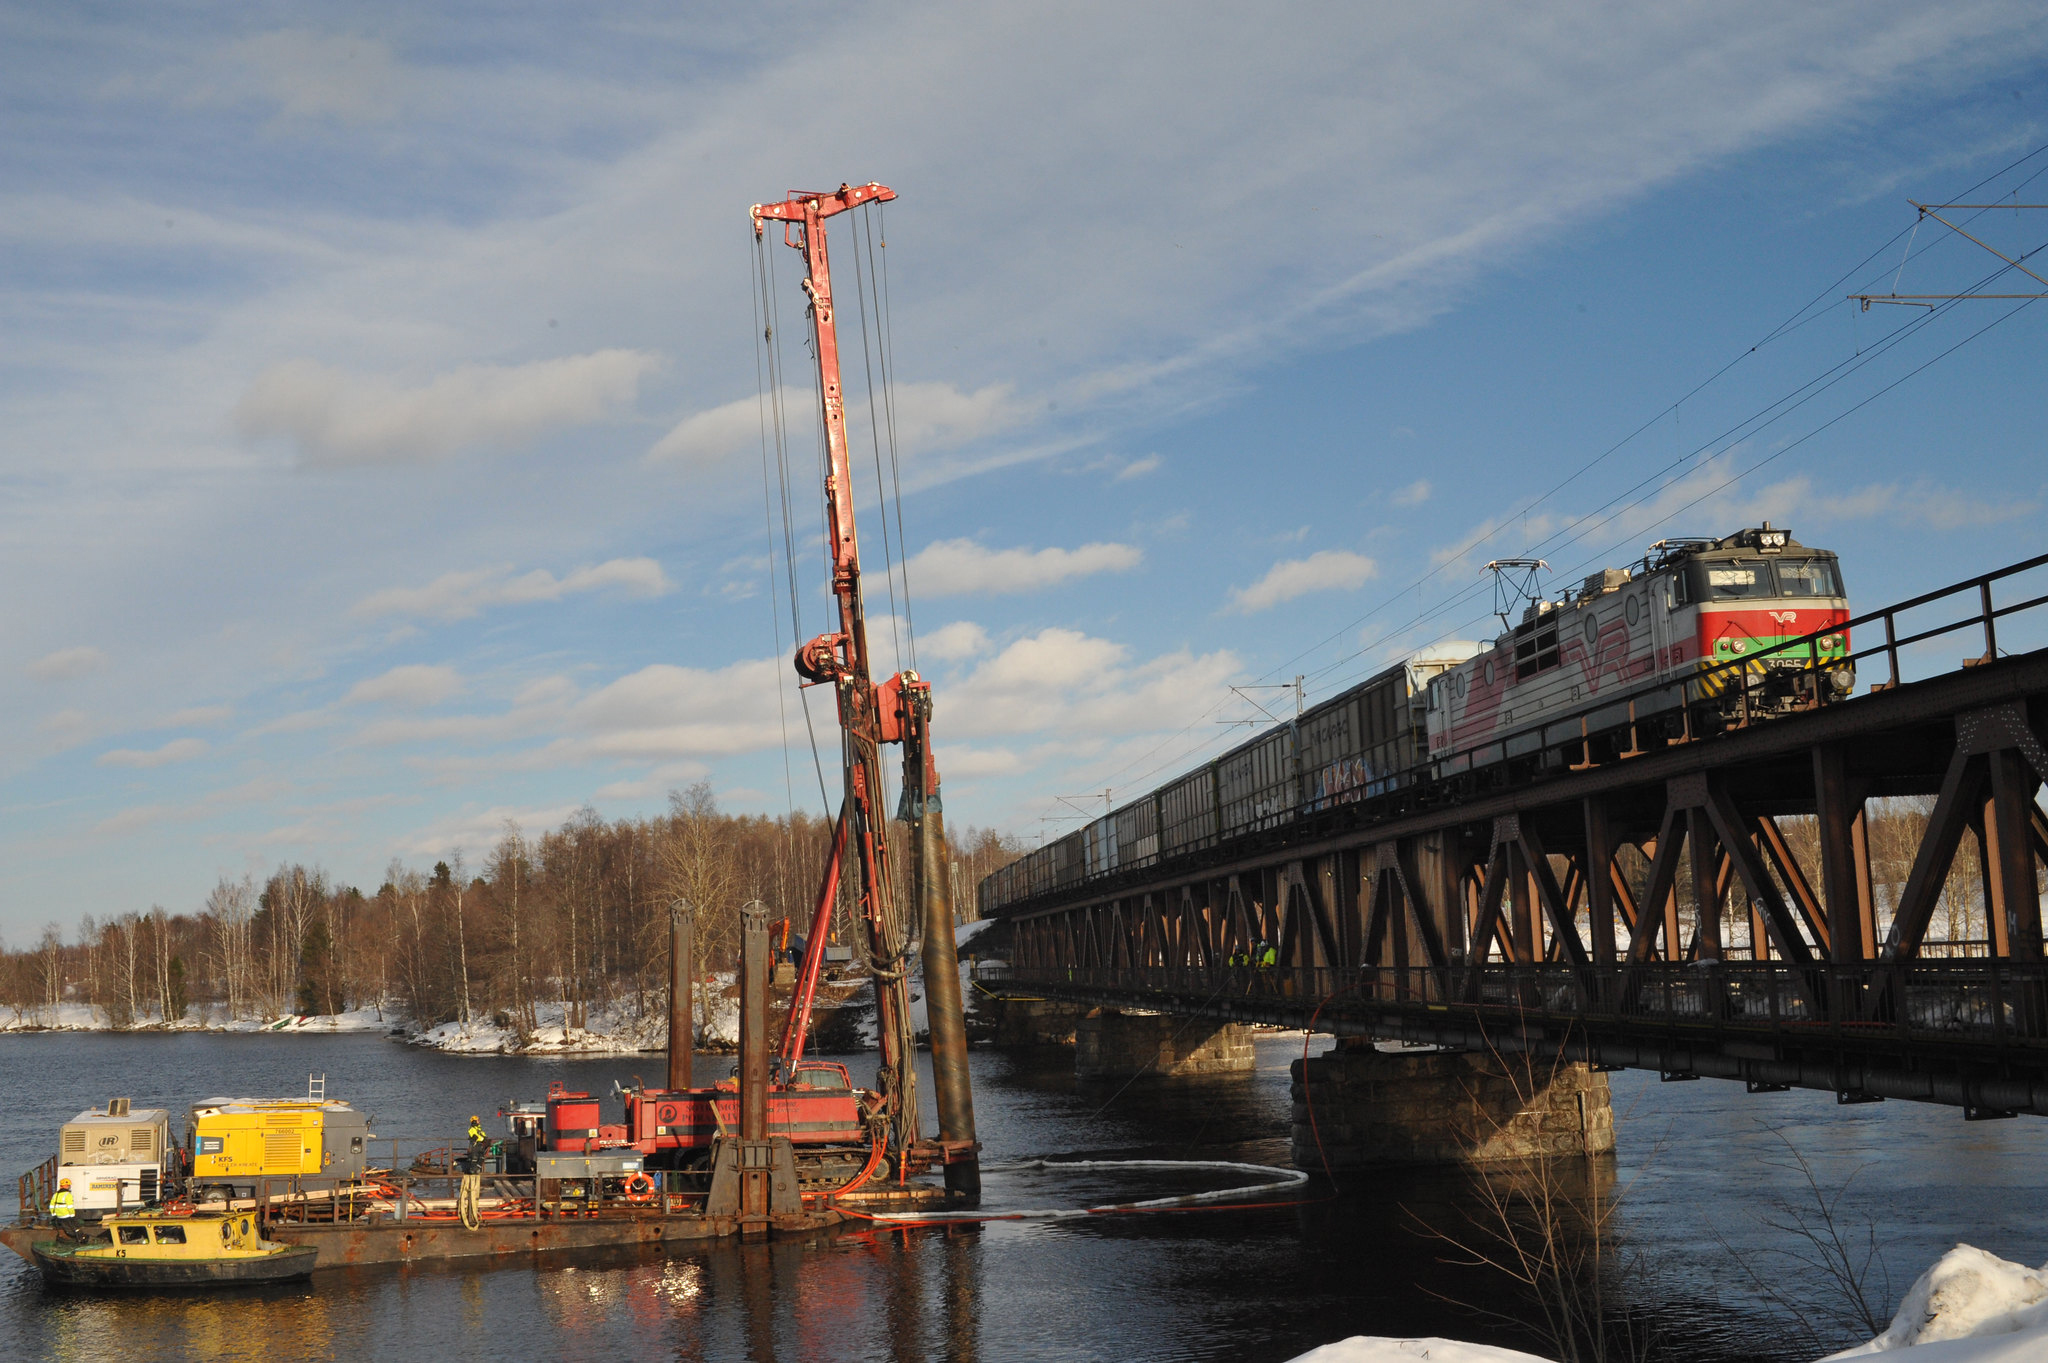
{"x":1261,"y":1286}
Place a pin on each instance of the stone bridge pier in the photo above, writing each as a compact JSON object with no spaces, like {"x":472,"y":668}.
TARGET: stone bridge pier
{"x":1376,"y":1107}
{"x":1113,"y":1044}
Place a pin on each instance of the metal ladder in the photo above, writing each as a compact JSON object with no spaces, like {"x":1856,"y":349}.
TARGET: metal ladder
{"x":316,"y":1088}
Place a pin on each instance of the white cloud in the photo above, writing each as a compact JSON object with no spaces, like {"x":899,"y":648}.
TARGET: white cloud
{"x":662,"y":712}
{"x":471,"y":830}
{"x":533,"y":183}
{"x":1918,"y":503}
{"x":669,"y":711}
{"x":1328,"y":570}
{"x":413,"y":686}
{"x":963,"y":761}
{"x":1075,"y":684}
{"x":949,"y":643}
{"x":177,"y":750}
{"x":1138,"y":468}
{"x":68,"y":727}
{"x":192,"y":810}
{"x":317,"y":75}
{"x":198,"y":716}
{"x":929,"y":416}
{"x":459,"y":595}
{"x":1415,"y":494}
{"x":67,"y":663}
{"x":962,"y":567}
{"x":297,"y":722}
{"x":1706,"y":500}
{"x":336,"y":417}
{"x":666,"y":777}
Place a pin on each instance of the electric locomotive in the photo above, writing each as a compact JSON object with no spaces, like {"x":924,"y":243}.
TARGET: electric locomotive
{"x":1681,"y":643}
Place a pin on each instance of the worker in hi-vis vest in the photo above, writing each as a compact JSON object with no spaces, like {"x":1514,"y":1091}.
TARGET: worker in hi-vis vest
{"x":479,"y":1143}
{"x":63,"y":1210}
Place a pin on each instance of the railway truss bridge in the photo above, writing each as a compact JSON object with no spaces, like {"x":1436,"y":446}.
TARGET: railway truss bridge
{"x":1710,"y":908}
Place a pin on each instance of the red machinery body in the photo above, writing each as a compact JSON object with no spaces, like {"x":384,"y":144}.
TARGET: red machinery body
{"x":819,"y":1106}
{"x":573,"y":1121}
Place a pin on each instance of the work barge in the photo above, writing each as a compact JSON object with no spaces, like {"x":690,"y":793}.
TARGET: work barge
{"x":786,"y":1146}
{"x":545,"y":1191}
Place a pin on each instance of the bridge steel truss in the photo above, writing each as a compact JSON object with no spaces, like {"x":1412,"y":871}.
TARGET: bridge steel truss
{"x":1517,"y":920}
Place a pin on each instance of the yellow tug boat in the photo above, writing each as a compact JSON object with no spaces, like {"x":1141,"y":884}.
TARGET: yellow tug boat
{"x":173,"y":1249}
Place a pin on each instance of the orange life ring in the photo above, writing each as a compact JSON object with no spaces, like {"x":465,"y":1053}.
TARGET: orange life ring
{"x":640,"y":1188}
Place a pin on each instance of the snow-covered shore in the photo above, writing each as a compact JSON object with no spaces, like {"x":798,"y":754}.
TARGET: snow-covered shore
{"x":84,"y":1017}
{"x":606,"y":1031}
{"x":1969,"y":1307}
{"x":620,"y":1028}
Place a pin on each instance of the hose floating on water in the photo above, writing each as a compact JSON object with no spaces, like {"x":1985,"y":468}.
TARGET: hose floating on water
{"x":1210,"y":1201}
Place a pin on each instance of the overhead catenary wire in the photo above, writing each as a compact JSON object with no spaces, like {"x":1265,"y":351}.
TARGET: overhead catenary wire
{"x":1578,"y":528}
{"x":1784,"y":328}
{"x":1595,"y":521}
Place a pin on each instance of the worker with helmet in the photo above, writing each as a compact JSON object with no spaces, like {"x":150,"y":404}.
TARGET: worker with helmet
{"x":63,"y":1210}
{"x":479,"y":1143}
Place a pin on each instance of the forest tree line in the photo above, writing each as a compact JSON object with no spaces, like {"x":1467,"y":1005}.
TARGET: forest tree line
{"x":579,"y":916}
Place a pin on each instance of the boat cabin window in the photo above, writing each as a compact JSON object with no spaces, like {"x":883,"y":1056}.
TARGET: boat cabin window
{"x":1807,"y":577}
{"x":821,"y":1078}
{"x":134,"y":1235}
{"x":170,"y":1235}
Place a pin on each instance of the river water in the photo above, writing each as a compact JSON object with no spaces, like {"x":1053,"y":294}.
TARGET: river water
{"x":1698,"y":1166}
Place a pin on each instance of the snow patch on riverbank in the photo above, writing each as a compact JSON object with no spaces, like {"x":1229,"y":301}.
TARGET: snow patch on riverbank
{"x":85,"y":1017}
{"x":1969,"y":1307}
{"x":1364,"y":1349}
{"x":616,"y":1030}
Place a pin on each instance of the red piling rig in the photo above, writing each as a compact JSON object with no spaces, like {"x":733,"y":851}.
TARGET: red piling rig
{"x":896,"y":711}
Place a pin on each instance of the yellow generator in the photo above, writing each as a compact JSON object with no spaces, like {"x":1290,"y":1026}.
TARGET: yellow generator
{"x":240,"y":1138}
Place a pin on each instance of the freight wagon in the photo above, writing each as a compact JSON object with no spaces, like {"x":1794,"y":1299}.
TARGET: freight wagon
{"x":1698,"y":636}
{"x":1368,"y":741}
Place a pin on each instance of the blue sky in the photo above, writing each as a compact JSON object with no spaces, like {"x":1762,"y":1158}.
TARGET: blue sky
{"x":378,"y":444}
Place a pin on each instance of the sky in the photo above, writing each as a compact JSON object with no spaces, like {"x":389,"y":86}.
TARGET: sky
{"x":383,"y":459}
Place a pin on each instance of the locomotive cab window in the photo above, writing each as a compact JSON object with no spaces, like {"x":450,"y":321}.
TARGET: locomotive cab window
{"x":1807,"y":577}
{"x":1735,"y":581}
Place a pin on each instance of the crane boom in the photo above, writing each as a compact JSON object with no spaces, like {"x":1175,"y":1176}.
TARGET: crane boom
{"x":895,"y":711}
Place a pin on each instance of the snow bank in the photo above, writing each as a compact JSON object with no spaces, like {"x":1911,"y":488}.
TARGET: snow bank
{"x":606,"y":1031}
{"x":1970,"y":1307}
{"x":84,"y":1017}
{"x":1373,"y":1349}
{"x":355,"y":1020}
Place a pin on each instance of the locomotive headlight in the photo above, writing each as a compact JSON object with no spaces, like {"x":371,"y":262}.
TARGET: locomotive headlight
{"x":1843,"y":679}
{"x":1737,"y":646}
